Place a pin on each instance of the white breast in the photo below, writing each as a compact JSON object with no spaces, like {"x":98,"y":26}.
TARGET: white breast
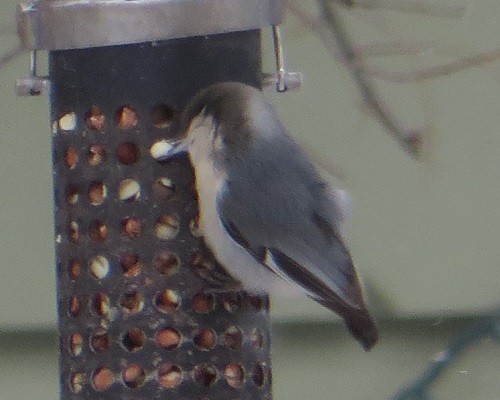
{"x":234,"y":258}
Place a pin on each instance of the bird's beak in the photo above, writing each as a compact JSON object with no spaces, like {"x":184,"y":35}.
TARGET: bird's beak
{"x":163,"y":149}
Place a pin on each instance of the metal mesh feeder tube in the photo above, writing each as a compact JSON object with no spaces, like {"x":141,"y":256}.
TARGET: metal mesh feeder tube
{"x":136,"y":319}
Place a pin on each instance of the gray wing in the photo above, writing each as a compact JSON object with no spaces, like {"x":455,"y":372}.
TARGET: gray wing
{"x":283,"y":208}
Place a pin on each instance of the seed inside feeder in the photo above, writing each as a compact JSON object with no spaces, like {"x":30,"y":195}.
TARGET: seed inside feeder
{"x":233,"y":338}
{"x":132,"y":302}
{"x":97,"y":193}
{"x":205,"y":375}
{"x":194,"y":227}
{"x":167,"y":301}
{"x":77,"y":381}
{"x":163,"y":188}
{"x":235,"y":375}
{"x":68,"y":122}
{"x":71,"y":158}
{"x":132,"y":227}
{"x":129,"y":190}
{"x":162,"y":115}
{"x":103,"y":379}
{"x":97,"y":154}
{"x":74,"y":270}
{"x":99,"y":267}
{"x":72,"y":195}
{"x":74,"y":306}
{"x":167,"y":227}
{"x":98,"y":231}
{"x":131,"y":266}
{"x":127,"y":117}
{"x":256,"y":338}
{"x":95,"y":118}
{"x":100,"y":341}
{"x":166,"y":263}
{"x":169,"y":376}
{"x":205,"y":339}
{"x":74,"y":231}
{"x":75,"y":344}
{"x":101,"y":304}
{"x":160,"y":150}
{"x":134,"y":376}
{"x":203,"y":303}
{"x":258,"y":376}
{"x":168,"y":338}
{"x":134,"y":340}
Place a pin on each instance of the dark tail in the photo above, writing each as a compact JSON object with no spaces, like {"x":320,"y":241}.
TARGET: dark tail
{"x":363,"y":328}
{"x":354,"y":312}
{"x":359,"y":322}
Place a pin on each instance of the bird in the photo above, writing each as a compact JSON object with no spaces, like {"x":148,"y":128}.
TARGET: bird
{"x":265,"y":211}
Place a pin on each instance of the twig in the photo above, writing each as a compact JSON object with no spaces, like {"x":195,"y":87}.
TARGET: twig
{"x":399,"y":48}
{"x":417,"y":75}
{"x":409,"y":139}
{"x":420,"y":388}
{"x":10,"y":55}
{"x":407,"y":6}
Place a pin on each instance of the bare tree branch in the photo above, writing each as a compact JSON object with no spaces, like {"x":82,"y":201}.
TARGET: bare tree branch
{"x":417,"y":75}
{"x":419,"y":389}
{"x":329,"y":28}
{"x":411,"y":140}
{"x":408,"y":6}
{"x":10,"y":55}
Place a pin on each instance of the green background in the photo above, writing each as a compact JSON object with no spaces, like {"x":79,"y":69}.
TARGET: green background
{"x":424,"y":235}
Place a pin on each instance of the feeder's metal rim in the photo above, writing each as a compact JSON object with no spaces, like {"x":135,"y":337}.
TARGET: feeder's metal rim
{"x":74,"y":24}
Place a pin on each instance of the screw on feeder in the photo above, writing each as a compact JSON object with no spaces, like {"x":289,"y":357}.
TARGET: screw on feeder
{"x":282,"y":79}
{"x":33,"y":85}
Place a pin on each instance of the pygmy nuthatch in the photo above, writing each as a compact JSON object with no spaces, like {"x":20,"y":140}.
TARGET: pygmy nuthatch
{"x":265,"y":212}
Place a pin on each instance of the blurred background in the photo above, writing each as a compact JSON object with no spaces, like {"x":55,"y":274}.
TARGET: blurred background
{"x":423,"y":234}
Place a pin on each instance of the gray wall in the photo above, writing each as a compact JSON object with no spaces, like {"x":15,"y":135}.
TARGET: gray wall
{"x":423,"y":234}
